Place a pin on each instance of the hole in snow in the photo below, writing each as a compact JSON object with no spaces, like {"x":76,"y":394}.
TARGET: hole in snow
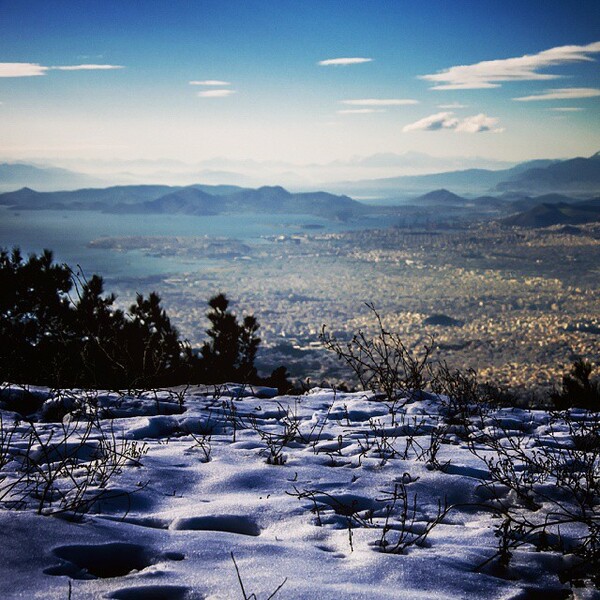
{"x":154,"y":592}
{"x":106,"y":560}
{"x":226,"y":523}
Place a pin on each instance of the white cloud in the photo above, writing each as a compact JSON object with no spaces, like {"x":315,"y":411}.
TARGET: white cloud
{"x":216,"y":93}
{"x":34,"y":69}
{"x":453,"y":106}
{"x":21,"y":70}
{"x":380,"y":102}
{"x":490,"y":73}
{"x":562,"y":94}
{"x":443,"y":120}
{"x":343,"y":62}
{"x":446,"y":120}
{"x":87,"y":68}
{"x":359,"y":111}
{"x":210,"y":82}
{"x":567,"y":109}
{"x":478,"y":124}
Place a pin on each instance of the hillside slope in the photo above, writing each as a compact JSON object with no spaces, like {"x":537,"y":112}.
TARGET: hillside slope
{"x":574,"y":176}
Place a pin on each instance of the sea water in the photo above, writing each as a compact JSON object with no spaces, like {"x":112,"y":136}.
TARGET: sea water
{"x":68,"y":234}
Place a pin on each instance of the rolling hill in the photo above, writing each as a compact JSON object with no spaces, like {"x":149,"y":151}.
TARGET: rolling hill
{"x":560,"y":213}
{"x":441,"y":197}
{"x":192,"y":200}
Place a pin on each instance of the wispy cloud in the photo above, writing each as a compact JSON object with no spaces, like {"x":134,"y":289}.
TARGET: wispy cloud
{"x":454,"y":105}
{"x":35,"y":69}
{"x":87,"y":68}
{"x":380,"y":102}
{"x":446,"y":120}
{"x":491,"y":73}
{"x":562,"y":94}
{"x":343,"y":62}
{"x":210,"y":82}
{"x":215,"y":93}
{"x":567,"y":109}
{"x":359,"y":111}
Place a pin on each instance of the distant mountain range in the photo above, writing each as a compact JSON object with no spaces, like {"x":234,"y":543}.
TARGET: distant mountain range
{"x":468,"y":181}
{"x":532,"y":194}
{"x":203,"y":200}
{"x":15,"y":175}
{"x":77,"y":173}
{"x":523,"y":211}
{"x":577,"y":177}
{"x":511,"y":202}
{"x":191,"y":200}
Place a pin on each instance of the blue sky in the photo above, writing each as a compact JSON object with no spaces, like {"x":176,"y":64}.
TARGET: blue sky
{"x":112,"y":79}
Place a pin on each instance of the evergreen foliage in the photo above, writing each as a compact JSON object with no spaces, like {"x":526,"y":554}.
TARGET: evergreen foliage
{"x":578,"y":389}
{"x":229,"y":354}
{"x":49,"y":337}
{"x":59,"y":329}
{"x":34,"y":313}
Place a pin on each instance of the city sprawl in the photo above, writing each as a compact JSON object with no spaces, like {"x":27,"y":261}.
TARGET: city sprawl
{"x":516,"y":305}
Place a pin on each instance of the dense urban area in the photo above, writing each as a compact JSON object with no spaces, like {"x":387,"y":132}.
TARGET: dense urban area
{"x":517,"y":305}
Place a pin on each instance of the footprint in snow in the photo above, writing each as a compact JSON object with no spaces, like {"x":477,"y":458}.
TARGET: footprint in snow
{"x":155,"y":592}
{"x":226,"y":523}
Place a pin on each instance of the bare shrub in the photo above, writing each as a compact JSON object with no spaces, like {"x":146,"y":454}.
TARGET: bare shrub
{"x":400,"y":530}
{"x":460,"y":396}
{"x":253,"y":596}
{"x":202,"y":439}
{"x":545,"y":494}
{"x":276,"y":441}
{"x":397,"y":521}
{"x":382,"y":363}
{"x":348,"y":509}
{"x":63,"y":468}
{"x":7,"y":433}
{"x":315,"y":433}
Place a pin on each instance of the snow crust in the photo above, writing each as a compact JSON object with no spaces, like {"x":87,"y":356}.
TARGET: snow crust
{"x":169,"y":526}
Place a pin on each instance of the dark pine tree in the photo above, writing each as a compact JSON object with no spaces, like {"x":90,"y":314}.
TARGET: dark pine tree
{"x":34,"y":315}
{"x":152,"y":348}
{"x":229,"y":354}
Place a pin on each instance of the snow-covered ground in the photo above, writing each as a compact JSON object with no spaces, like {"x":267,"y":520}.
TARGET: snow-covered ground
{"x":325,"y":491}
